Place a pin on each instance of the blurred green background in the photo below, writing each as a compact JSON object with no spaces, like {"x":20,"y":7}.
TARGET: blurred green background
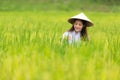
{"x":64,"y":5}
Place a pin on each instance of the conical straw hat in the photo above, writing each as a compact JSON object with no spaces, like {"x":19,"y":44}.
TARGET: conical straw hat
{"x":83,"y":17}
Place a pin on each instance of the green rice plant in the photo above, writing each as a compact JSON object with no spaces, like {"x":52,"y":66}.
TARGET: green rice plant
{"x":31,"y":49}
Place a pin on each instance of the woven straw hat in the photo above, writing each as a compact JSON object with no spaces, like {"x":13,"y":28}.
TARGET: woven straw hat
{"x":83,"y":17}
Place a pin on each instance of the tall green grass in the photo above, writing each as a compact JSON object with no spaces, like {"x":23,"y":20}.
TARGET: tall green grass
{"x":30,"y":47}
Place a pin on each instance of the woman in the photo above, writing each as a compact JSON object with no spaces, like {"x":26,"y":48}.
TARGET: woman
{"x":78,"y":31}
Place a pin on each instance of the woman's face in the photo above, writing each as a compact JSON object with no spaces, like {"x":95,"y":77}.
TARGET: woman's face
{"x":78,"y":25}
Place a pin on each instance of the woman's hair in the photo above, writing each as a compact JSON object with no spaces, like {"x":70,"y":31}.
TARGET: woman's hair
{"x":83,"y":32}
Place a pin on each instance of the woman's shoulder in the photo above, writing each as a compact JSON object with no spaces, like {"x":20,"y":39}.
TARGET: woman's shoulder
{"x":65,"y":33}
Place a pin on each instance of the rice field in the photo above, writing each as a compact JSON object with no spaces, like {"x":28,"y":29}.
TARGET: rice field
{"x":31,"y":49}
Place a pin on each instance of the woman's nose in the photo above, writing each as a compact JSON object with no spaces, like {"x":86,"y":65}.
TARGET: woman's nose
{"x":77,"y":25}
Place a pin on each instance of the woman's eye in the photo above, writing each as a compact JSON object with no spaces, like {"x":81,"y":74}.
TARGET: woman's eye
{"x":76,"y":24}
{"x":80,"y":25}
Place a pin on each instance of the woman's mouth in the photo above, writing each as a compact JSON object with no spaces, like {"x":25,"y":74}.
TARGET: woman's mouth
{"x":77,"y":28}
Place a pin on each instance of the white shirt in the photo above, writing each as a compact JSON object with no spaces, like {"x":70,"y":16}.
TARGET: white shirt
{"x":72,"y":37}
